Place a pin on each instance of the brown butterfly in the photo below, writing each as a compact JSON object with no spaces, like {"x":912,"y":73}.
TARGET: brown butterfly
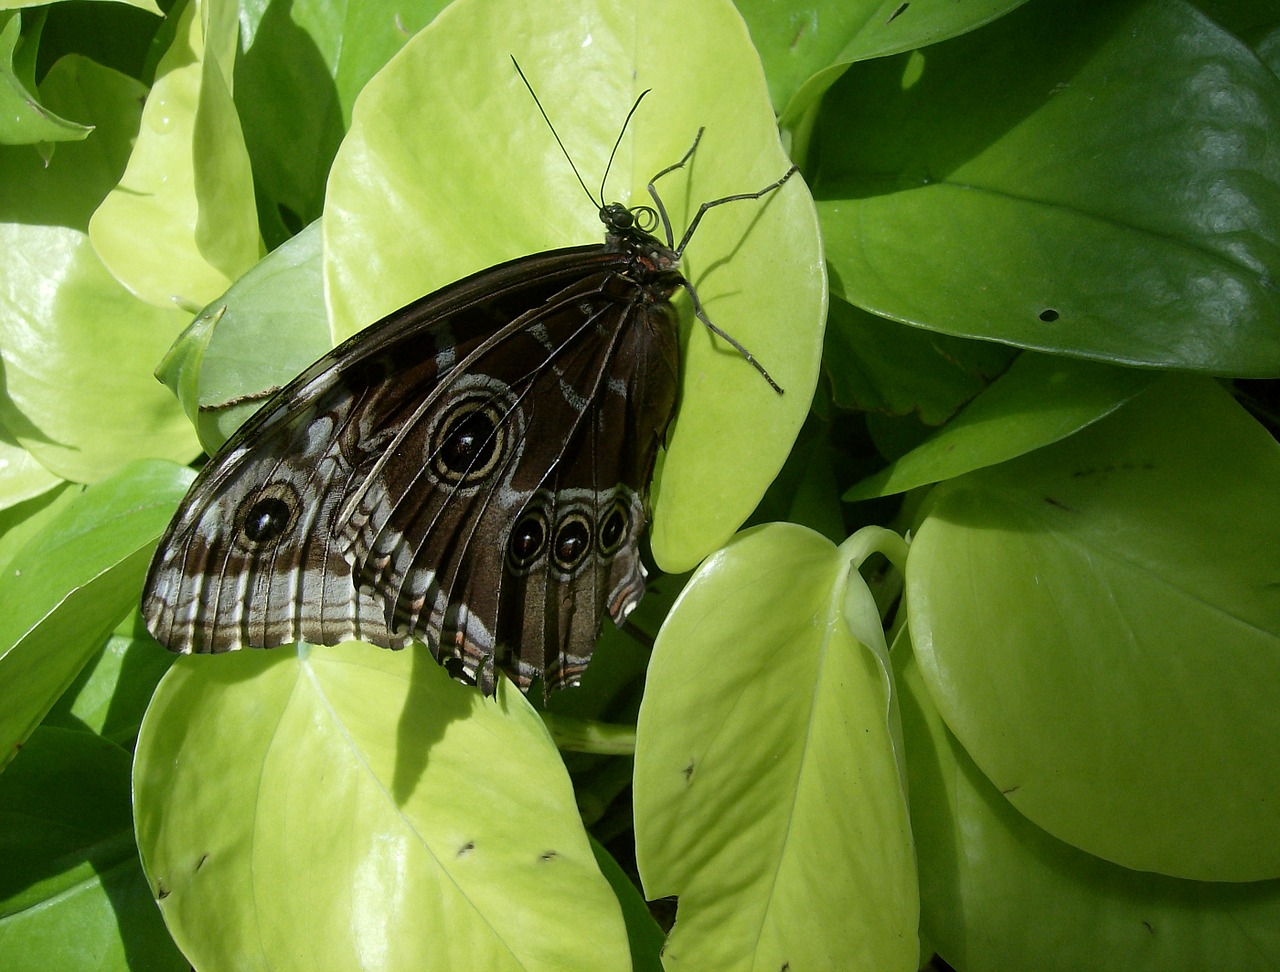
{"x":470,"y":472}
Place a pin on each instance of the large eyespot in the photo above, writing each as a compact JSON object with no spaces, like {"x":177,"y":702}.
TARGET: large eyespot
{"x":528,"y":540}
{"x":614,"y":526}
{"x":572,"y":542}
{"x":267,"y":514}
{"x":474,"y":432}
{"x":468,"y":442}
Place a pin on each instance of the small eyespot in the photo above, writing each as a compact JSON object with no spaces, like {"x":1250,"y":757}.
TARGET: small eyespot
{"x":266,"y":519}
{"x":613,"y":529}
{"x":528,"y":540}
{"x":1049,"y":315}
{"x":573,"y":541}
{"x":267,"y":514}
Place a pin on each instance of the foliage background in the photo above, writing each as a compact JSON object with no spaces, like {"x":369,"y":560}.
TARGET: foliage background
{"x":1048,"y":237}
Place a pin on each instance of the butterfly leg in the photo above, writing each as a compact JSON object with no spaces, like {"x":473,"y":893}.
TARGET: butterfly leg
{"x":737,"y":197}
{"x":734,"y":343}
{"x":662,"y":210}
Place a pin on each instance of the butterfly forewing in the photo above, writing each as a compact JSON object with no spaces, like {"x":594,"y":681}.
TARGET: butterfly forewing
{"x":469,"y":472}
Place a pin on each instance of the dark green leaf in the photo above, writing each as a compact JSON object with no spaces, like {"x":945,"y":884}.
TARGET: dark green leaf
{"x":72,"y":891}
{"x":1099,"y":180}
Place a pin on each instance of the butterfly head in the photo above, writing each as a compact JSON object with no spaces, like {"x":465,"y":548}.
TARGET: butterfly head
{"x":631,"y":231}
{"x":618,"y":219}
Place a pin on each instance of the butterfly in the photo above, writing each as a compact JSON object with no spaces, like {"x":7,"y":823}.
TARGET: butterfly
{"x":470,"y":472}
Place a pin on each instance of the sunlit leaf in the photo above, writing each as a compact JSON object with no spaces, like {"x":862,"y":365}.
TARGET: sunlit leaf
{"x":71,"y":583}
{"x":1099,"y":624}
{"x":418,"y":198}
{"x":370,"y":813}
{"x":999,"y":893}
{"x":23,"y":119}
{"x":78,"y":352}
{"x":767,"y":767}
{"x":182,"y":224}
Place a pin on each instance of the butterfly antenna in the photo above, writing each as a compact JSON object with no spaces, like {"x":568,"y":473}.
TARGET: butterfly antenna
{"x":556,"y":136}
{"x":625,"y":122}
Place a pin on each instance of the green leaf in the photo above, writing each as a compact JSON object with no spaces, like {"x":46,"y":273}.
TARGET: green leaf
{"x":799,"y":40}
{"x":1099,"y":624}
{"x":1039,"y":400}
{"x":21,"y":476}
{"x":1097,"y":180}
{"x":78,"y":352}
{"x":296,"y":80}
{"x":148,"y":5}
{"x":69,"y":586}
{"x":877,"y":365}
{"x":112,"y":691}
{"x":182,"y":224}
{"x":351,"y":807}
{"x":72,"y":891}
{"x":217,"y":368}
{"x":418,"y":198}
{"x":20,"y":522}
{"x":23,"y":119}
{"x":768,"y":793}
{"x":642,"y":931}
{"x":65,"y":190}
{"x":999,"y":893}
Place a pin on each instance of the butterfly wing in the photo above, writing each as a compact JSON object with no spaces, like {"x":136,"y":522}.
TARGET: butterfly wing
{"x":517,"y":526}
{"x":377,"y":494}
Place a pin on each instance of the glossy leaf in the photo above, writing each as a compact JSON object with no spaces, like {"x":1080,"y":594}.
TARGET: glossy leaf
{"x":767,"y":767}
{"x":23,"y":119}
{"x":999,"y":893}
{"x":21,"y":477}
{"x":182,"y":225}
{"x":800,"y":40}
{"x":65,"y":189}
{"x":217,"y":368}
{"x":370,"y":812}
{"x":71,"y":583}
{"x":78,"y":353}
{"x":1095,"y":180}
{"x":1039,"y":400}
{"x":418,"y":169}
{"x":1099,"y":624}
{"x":72,"y":891}
{"x":20,"y":522}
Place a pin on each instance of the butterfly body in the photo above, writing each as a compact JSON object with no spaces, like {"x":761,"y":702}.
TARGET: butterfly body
{"x":470,"y":472}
